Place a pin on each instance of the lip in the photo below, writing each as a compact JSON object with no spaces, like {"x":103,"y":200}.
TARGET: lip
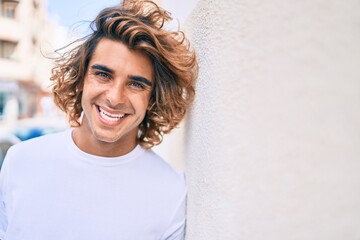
{"x":110,"y":118}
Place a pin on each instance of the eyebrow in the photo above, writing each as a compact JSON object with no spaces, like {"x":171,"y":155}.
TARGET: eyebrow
{"x":141,"y":79}
{"x":102,"y":68}
{"x":133,"y":77}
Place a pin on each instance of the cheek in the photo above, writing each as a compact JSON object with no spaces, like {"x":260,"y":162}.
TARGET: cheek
{"x":140,"y":101}
{"x":84,"y":94}
{"x":143,"y":107}
{"x":147,"y":103}
{"x":91,"y":90}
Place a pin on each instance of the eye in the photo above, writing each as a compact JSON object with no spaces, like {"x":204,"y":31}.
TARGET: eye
{"x":137,"y":85}
{"x":102,"y":75}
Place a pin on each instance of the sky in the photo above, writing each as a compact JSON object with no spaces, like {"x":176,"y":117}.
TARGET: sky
{"x":76,"y":14}
{"x":73,"y":13}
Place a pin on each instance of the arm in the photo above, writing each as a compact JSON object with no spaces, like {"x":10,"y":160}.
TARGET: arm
{"x":176,"y":228}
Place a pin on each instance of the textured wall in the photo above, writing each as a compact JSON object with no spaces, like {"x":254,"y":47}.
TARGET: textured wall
{"x":273,"y":140}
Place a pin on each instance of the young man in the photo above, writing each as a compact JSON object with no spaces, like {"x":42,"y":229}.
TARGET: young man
{"x":125,"y":86}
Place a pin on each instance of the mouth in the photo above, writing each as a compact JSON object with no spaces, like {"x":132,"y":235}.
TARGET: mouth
{"x":110,"y":117}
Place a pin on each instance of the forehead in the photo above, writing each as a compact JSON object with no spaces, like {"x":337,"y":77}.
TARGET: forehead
{"x":119,"y":58}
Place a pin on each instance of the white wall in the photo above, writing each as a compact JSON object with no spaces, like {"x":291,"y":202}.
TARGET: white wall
{"x":273,"y":141}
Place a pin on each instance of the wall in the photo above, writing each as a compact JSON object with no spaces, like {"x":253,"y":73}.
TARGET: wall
{"x":273,"y":140}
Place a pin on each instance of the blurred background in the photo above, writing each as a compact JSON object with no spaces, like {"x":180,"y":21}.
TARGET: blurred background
{"x":28,"y":34}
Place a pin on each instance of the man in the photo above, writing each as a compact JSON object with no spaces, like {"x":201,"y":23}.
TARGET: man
{"x":125,"y":86}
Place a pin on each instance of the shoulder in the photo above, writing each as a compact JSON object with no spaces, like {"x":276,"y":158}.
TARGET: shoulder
{"x":36,"y":147}
{"x":44,"y":141}
{"x":160,"y":166}
{"x":157,"y":169}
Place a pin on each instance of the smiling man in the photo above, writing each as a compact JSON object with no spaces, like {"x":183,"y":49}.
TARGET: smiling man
{"x":115,"y":97}
{"x":124,"y":87}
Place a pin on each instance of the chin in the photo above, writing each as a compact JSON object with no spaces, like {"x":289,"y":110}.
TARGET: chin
{"x":107,"y":139}
{"x":103,"y":137}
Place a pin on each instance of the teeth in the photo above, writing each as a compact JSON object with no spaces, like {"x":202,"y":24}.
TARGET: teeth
{"x":109,"y":116}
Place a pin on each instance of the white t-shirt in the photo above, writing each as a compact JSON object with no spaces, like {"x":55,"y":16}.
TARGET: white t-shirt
{"x":51,"y":190}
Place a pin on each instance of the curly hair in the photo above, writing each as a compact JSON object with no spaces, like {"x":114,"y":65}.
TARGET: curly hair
{"x":140,"y":26}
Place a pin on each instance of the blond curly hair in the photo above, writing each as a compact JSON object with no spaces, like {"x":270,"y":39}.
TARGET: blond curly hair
{"x":140,"y":26}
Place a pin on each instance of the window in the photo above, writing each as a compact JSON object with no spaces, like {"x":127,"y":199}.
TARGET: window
{"x":35,"y":4}
{"x":9,"y":8}
{"x":7,"y":49}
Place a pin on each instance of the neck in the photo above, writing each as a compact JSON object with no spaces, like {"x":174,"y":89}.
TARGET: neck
{"x":100,"y":148}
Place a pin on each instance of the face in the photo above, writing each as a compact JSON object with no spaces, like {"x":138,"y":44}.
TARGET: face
{"x":116,"y":94}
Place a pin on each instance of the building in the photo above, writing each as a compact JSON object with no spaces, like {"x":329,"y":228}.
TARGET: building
{"x":26,"y":36}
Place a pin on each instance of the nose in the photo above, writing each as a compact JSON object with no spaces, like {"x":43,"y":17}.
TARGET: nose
{"x":116,"y":95}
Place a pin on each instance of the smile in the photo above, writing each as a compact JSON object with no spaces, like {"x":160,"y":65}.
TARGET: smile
{"x":110,"y":116}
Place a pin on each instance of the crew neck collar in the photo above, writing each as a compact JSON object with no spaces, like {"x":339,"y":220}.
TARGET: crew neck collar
{"x":99,"y":160}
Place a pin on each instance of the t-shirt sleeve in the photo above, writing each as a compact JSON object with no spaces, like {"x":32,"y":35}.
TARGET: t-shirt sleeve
{"x":3,"y":217}
{"x":176,"y":229}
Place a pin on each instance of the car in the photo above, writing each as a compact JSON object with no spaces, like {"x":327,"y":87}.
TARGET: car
{"x":25,"y":133}
{"x":26,"y":129}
